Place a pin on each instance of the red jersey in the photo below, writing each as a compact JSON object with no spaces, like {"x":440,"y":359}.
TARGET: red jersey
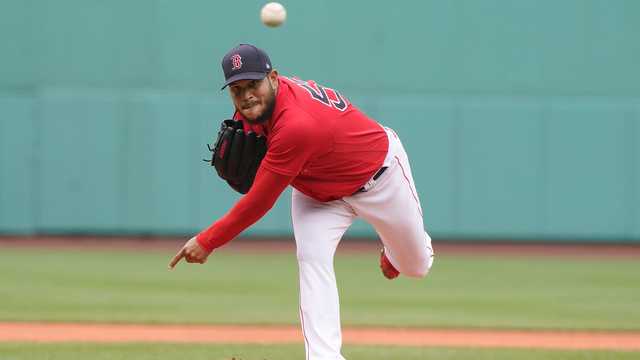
{"x":317,"y":142}
{"x":317,"y":136}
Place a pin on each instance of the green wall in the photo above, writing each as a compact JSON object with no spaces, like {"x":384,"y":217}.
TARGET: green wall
{"x":522,"y":118}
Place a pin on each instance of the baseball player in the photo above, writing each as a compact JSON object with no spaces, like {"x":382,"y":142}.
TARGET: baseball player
{"x":341,"y":165}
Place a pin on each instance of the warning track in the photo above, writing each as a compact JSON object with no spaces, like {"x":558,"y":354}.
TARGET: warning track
{"x":131,"y":333}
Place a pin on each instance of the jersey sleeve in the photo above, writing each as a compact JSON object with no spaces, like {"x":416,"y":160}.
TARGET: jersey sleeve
{"x":291,"y":147}
{"x":266,"y":189}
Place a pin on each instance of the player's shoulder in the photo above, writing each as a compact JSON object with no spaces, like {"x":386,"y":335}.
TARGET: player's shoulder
{"x":319,"y":98}
{"x":288,"y":79}
{"x":295,"y":81}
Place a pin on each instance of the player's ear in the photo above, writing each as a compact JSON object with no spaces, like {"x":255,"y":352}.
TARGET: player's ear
{"x":273,"y":76}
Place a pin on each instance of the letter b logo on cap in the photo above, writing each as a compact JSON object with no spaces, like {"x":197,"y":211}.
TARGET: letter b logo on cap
{"x":236,"y":62}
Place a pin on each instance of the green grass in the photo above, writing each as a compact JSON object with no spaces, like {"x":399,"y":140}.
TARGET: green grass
{"x":465,"y":291}
{"x":282,"y":352}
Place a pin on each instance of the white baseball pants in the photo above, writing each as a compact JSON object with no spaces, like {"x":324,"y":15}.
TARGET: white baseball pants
{"x":391,"y":205}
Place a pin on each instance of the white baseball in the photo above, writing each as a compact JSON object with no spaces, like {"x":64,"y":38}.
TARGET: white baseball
{"x":273,"y":14}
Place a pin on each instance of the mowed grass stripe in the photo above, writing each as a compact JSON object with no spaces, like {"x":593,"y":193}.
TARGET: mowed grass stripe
{"x":246,"y":288}
{"x":31,"y":351}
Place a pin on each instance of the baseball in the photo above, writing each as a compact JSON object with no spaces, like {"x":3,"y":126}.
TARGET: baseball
{"x":273,"y":14}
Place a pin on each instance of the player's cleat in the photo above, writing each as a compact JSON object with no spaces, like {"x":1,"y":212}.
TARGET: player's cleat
{"x":388,"y":270}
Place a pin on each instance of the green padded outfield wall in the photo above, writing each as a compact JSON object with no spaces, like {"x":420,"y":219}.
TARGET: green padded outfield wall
{"x":522,"y":118}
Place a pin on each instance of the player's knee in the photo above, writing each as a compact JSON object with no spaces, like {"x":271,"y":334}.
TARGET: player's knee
{"x":416,"y":272}
{"x":420,"y":269}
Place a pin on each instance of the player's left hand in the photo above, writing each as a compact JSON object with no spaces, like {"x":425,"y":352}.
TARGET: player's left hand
{"x":192,"y":252}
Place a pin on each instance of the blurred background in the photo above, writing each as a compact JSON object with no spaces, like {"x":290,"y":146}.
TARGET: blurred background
{"x":521,"y":118}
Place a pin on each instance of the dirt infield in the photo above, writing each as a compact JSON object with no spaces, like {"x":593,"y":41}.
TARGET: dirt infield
{"x":271,"y":245}
{"x":112,"y":333}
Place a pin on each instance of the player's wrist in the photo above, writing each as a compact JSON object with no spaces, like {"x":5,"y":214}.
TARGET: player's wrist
{"x":204,"y":241}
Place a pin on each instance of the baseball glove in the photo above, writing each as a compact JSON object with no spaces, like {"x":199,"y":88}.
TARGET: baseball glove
{"x":236,"y":155}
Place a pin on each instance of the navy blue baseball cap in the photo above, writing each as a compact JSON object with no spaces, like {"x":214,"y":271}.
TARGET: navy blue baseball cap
{"x":245,"y":62}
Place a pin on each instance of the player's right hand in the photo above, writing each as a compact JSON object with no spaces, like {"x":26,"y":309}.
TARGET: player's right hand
{"x":192,"y":252}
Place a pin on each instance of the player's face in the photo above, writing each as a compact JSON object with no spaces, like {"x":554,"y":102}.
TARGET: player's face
{"x":255,"y":99}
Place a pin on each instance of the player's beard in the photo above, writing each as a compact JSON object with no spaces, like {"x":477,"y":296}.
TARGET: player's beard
{"x":270,"y":104}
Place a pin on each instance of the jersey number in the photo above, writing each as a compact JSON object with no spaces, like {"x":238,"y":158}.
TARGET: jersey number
{"x":323,"y":94}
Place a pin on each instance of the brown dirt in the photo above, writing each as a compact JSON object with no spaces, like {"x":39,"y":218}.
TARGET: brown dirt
{"x":113,"y":333}
{"x":274,"y":245}
{"x":69,"y":332}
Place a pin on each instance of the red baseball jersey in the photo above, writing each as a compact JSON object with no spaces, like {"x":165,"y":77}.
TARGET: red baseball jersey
{"x":316,"y":135}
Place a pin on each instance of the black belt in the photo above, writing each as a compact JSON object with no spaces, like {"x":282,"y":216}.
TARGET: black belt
{"x":375,"y":177}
